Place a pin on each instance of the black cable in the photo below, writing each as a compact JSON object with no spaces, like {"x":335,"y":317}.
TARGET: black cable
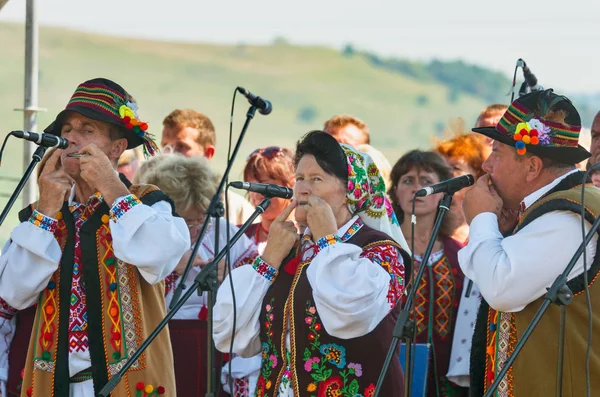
{"x":413,"y":222}
{"x":586,"y":286}
{"x":3,"y":145}
{"x":230,"y":377}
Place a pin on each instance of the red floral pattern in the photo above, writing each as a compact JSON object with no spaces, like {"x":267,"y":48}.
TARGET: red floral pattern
{"x":387,"y":256}
{"x":331,"y":387}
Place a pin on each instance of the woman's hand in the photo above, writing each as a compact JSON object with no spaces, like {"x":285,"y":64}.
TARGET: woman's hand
{"x":283,"y":235}
{"x":180,"y":268}
{"x":320,"y":218}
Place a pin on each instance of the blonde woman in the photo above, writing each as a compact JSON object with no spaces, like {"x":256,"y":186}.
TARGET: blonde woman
{"x":191,"y":184}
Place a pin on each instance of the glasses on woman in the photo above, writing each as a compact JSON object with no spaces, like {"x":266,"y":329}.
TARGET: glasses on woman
{"x":269,"y":152}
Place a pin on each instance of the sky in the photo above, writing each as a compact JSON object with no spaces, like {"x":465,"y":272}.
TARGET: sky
{"x":559,"y":42}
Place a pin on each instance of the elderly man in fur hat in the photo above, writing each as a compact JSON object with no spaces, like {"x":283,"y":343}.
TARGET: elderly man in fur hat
{"x":532,"y":169}
{"x":92,"y":253}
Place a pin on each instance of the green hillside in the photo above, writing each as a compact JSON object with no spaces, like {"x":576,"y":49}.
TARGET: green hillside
{"x":306,"y":85}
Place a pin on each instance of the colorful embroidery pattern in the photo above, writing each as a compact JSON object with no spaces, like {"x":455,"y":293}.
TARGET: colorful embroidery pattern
{"x":122,"y":206}
{"x":78,"y":337}
{"x":270,"y":356}
{"x":319,"y":360}
{"x":113,"y":309}
{"x":445,"y":289}
{"x":501,"y":341}
{"x":6,"y":311}
{"x":48,"y":312}
{"x":366,"y":188}
{"x":247,"y":258}
{"x":43,"y":222}
{"x":386,"y":256}
{"x":326,"y":241}
{"x":264,"y":269}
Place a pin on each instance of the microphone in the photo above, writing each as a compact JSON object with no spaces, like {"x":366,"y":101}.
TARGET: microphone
{"x":264,"y":106}
{"x":265,"y":189}
{"x":449,"y":186}
{"x":45,"y":140}
{"x":531,"y":82}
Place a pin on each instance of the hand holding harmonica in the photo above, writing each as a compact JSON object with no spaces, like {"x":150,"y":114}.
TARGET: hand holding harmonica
{"x":97,"y":171}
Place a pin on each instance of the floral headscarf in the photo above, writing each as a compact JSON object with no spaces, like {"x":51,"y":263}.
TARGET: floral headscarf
{"x":367,"y":198}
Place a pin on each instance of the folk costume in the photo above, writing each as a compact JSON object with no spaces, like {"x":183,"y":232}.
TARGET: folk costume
{"x":435,"y":313}
{"x":324,"y":322}
{"x":513,"y":272}
{"x":188,"y":326}
{"x":96,"y":273}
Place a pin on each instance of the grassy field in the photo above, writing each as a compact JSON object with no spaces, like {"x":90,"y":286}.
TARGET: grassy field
{"x":306,"y":85}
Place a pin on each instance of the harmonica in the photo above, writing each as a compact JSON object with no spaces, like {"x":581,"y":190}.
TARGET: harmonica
{"x":77,"y":154}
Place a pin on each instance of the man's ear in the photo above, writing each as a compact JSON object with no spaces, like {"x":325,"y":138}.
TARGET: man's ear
{"x":117,"y":148}
{"x":534,"y":165}
{"x":209,"y":151}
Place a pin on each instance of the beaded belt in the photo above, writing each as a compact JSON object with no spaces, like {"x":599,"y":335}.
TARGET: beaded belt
{"x":82,"y":376}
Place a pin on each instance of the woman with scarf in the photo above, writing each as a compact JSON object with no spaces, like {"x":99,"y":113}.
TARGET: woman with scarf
{"x":321,"y":307}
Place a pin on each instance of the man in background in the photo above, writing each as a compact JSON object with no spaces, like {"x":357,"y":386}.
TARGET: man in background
{"x":191,"y":133}
{"x":489,"y":117}
{"x":348,"y":129}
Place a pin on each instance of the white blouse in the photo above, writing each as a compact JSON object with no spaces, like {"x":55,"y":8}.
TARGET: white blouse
{"x":350,"y":290}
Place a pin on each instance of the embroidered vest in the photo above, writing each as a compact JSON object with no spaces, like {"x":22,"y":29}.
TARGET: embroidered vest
{"x":533,"y":373}
{"x":122,"y":310}
{"x":320,"y":363}
{"x":435,"y":312}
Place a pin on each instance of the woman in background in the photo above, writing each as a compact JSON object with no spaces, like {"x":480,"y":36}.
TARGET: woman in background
{"x":191,"y":184}
{"x":465,"y":154}
{"x":438,"y":293}
{"x":271,"y":165}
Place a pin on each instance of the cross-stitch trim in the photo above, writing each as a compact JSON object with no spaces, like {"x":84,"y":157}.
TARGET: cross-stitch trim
{"x":43,"y":222}
{"x":122,"y":206}
{"x":326,"y":241}
{"x":264,"y":269}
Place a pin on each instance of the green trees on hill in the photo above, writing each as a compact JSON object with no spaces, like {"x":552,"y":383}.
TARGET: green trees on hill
{"x":459,"y":76}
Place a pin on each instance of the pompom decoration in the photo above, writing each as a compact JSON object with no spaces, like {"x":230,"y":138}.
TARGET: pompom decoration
{"x":530,"y":133}
{"x":128,"y":113}
{"x":139,"y":386}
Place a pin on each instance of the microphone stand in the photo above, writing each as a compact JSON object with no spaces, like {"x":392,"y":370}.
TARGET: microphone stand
{"x":405,"y":326}
{"x":211,"y":380}
{"x":214,"y":211}
{"x":206,"y":280}
{"x":35,"y":159}
{"x":561,"y":295}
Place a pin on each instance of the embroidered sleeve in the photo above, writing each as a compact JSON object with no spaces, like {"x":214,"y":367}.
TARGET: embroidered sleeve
{"x":326,"y":241}
{"x":387,"y":257}
{"x":43,"y":222}
{"x":122,"y":205}
{"x":264,"y":269}
{"x":247,"y":258}
{"x":6,"y":311}
{"x":171,"y":282}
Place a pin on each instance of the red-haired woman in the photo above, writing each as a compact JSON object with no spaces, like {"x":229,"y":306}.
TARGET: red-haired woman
{"x":272,"y":165}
